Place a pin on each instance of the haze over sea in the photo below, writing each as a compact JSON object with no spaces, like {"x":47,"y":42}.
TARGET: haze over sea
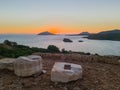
{"x":101,"y":47}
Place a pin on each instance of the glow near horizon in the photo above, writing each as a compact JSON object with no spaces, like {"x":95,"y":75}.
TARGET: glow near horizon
{"x":58,"y":16}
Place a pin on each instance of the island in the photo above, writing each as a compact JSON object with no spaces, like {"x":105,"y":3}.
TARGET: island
{"x":67,"y":40}
{"x":46,"y":33}
{"x":106,"y":35}
{"x":80,"y":41}
{"x":84,"y":33}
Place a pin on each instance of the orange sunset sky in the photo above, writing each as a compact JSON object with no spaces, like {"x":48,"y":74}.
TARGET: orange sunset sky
{"x":58,"y":16}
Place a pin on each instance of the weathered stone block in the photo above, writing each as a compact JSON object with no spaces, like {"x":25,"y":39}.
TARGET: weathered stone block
{"x":27,"y":66}
{"x":60,"y":74}
{"x":7,"y":63}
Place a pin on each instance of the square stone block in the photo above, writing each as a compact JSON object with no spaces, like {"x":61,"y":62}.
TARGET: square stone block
{"x":66,"y":72}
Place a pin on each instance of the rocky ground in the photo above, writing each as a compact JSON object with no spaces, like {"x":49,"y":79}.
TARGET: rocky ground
{"x":99,"y":73}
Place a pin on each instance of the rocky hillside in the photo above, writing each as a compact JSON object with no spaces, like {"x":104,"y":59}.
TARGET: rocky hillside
{"x":106,"y":35}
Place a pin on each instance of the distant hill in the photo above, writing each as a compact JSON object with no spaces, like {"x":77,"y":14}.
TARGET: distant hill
{"x":71,"y":35}
{"x":46,"y":33}
{"x":106,"y":35}
{"x":84,"y":33}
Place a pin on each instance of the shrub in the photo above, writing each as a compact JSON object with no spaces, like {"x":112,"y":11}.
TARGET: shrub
{"x":15,"y":50}
{"x":9,"y":43}
{"x":53,"y":49}
{"x":64,"y":51}
{"x":35,"y":49}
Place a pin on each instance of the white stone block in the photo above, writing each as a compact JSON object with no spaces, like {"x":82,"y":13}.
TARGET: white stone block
{"x":7,"y":63}
{"x":60,"y":74}
{"x":27,"y":66}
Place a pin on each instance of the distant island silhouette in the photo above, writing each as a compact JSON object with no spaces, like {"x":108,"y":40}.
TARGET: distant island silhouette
{"x":84,"y":33}
{"x":104,"y":35}
{"x":46,"y":33}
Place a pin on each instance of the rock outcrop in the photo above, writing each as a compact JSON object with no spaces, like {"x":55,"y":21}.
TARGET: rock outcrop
{"x":67,"y":40}
{"x":71,"y":72}
{"x":80,"y":41}
{"x":106,"y":35}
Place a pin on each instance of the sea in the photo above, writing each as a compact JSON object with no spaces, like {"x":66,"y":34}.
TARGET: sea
{"x":101,"y":47}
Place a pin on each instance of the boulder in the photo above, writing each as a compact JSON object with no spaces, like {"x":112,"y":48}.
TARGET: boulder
{"x":7,"y":63}
{"x":80,"y":41}
{"x":67,"y":40}
{"x":65,"y":72}
{"x":27,"y":66}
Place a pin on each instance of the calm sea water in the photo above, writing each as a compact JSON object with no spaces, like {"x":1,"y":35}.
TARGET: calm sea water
{"x":102,"y":47}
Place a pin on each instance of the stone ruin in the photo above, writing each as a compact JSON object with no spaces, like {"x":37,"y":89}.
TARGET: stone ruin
{"x":65,"y":72}
{"x":7,"y":63}
{"x":27,"y":66}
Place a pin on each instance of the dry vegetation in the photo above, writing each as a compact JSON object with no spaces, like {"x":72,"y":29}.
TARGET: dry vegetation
{"x":99,"y":73}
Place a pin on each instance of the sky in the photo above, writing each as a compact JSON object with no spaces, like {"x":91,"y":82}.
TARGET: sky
{"x":58,"y":16}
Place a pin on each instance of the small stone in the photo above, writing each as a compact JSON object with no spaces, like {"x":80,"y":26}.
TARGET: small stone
{"x":34,"y":84}
{"x":51,"y":86}
{"x":76,"y":88}
{"x":96,"y":81}
{"x":56,"y":83}
{"x":65,"y":88}
{"x":44,"y":71}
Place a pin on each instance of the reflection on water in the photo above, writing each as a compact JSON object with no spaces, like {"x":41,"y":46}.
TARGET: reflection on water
{"x":102,"y":47}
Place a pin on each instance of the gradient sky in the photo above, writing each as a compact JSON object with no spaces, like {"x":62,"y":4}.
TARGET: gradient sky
{"x":58,"y":16}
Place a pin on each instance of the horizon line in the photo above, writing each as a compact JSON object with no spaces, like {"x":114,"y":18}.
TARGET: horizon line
{"x":55,"y":33}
